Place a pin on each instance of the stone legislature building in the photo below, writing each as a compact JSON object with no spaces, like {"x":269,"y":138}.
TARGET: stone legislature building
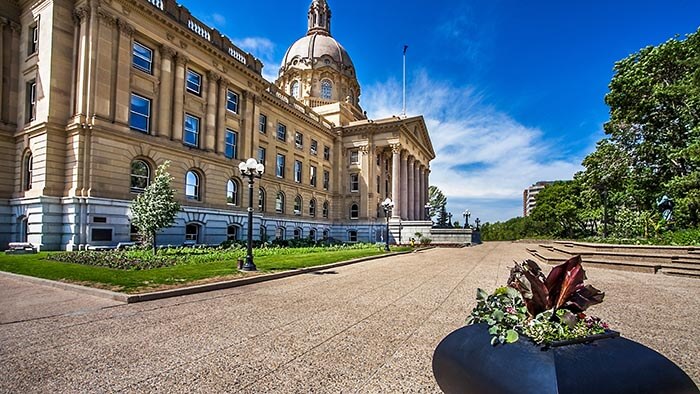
{"x":95,"y":94}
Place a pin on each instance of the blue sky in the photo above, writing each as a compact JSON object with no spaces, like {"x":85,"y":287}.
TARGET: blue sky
{"x":512,"y":91}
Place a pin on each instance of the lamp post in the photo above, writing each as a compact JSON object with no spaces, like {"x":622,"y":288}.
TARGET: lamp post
{"x":449,"y":220}
{"x":250,"y":169}
{"x":387,"y":206}
{"x":466,"y":215}
{"x":477,"y":223}
{"x":427,"y":211}
{"x":400,"y":228}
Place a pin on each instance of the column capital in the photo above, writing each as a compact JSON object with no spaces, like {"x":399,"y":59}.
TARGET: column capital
{"x":80,"y":13}
{"x":106,"y":18}
{"x":166,"y":52}
{"x":181,"y":59}
{"x":364,"y":149}
{"x":395,"y":148}
{"x":125,"y":28}
{"x":213,"y":76}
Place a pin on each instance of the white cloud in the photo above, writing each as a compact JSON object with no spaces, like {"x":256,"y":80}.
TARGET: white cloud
{"x":263,"y":49}
{"x":482,"y":153}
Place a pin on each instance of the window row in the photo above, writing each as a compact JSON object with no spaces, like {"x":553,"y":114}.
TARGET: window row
{"x":281,"y":135}
{"x":141,"y":176}
{"x":326,"y":90}
{"x":280,"y":167}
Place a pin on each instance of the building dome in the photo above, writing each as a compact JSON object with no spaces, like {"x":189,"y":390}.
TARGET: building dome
{"x":317,"y":70}
{"x":315,"y":47}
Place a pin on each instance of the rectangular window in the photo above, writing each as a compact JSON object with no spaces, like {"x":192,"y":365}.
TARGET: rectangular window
{"x":31,"y":101}
{"x":140,"y":113}
{"x":354,"y":157}
{"x":194,"y":82}
{"x":299,"y":140}
{"x":297,"y":171}
{"x":314,"y":147}
{"x":354,"y":183}
{"x":326,"y":153}
{"x":326,"y":179}
{"x":262,"y":153}
{"x":262,"y":123}
{"x":191,"y":130}
{"x":281,"y":132}
{"x":232,"y":101}
{"x":312,"y":170}
{"x":280,"y":166}
{"x":142,"y":57}
{"x":101,"y":235}
{"x":231,"y":150}
{"x":379,"y":186}
{"x":33,"y":46}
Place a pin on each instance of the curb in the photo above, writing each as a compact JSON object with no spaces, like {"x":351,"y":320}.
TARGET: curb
{"x":158,"y":295}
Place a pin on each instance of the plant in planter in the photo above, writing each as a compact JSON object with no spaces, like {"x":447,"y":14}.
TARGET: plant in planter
{"x":545,"y":309}
{"x":549,"y":344}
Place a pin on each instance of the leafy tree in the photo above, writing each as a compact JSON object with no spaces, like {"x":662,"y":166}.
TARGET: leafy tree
{"x":654,"y":104}
{"x":156,"y":207}
{"x":559,"y":209}
{"x":442,"y":219}
{"x":437,"y":200}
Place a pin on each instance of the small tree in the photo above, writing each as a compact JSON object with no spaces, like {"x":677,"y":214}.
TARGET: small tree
{"x":156,"y":207}
{"x":437,"y":200}
{"x":442,"y":220}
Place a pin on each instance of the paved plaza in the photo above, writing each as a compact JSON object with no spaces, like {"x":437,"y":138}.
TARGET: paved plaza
{"x":367,"y":327}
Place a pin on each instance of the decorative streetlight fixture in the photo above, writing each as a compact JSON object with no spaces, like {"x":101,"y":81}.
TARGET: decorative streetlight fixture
{"x":251,"y":169}
{"x":387,"y":206}
{"x":427,"y":211}
{"x":466,"y":215}
{"x":400,"y":228}
{"x":477,"y":223}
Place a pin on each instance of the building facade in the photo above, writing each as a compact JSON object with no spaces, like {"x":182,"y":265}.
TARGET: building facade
{"x":530,"y":194}
{"x":95,"y":94}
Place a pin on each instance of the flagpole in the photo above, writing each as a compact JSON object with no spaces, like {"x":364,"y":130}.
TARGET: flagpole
{"x":404,"y":79}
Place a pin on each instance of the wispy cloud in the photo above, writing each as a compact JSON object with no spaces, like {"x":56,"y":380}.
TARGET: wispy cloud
{"x":216,"y":20}
{"x":263,"y":49}
{"x":482,"y":153}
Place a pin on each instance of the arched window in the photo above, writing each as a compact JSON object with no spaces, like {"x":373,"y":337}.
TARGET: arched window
{"x":326,"y":89}
{"x":312,"y":234}
{"x":192,"y":232}
{"x":326,"y":234}
{"x":354,"y":211}
{"x":325,"y":209}
{"x":28,"y":170}
{"x":298,"y":233}
{"x":140,"y":175}
{"x":297,"y":205}
{"x":263,"y":233}
{"x":261,"y":199}
{"x":294,"y":89}
{"x":279,"y":233}
{"x":232,"y":233}
{"x":312,"y":207}
{"x":279,"y":203}
{"x":232,"y":195}
{"x":192,"y":186}
{"x":352,"y":236}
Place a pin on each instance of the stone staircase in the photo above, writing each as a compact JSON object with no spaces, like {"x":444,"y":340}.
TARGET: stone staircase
{"x":667,"y":260}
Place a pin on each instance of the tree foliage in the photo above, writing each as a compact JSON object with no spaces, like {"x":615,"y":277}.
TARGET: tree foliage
{"x":437,"y":200}
{"x":156,"y":207}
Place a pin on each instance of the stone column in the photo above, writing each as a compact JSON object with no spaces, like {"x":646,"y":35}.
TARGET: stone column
{"x":404,"y":184}
{"x":81,"y":14}
{"x":210,"y":118}
{"x":123,"y":84}
{"x":417,"y":207}
{"x":410,"y":200}
{"x":13,"y":83}
{"x":221,"y":117}
{"x":179,"y":97}
{"x":421,"y":192}
{"x":427,"y":184}
{"x":166,"y":91}
{"x":3,"y":23}
{"x":396,"y":178}
{"x":91,"y":90}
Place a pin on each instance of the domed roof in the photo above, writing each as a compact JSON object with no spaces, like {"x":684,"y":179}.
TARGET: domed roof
{"x":316,"y":46}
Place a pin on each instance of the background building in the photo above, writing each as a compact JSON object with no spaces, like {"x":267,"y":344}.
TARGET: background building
{"x":529,"y":194}
{"x":94,"y":95}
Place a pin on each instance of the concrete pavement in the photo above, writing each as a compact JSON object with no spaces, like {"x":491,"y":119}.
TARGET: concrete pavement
{"x":368,"y":327}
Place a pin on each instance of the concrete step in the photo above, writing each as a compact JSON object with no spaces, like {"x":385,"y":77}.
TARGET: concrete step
{"x":681,"y":272}
{"x":643,"y":249}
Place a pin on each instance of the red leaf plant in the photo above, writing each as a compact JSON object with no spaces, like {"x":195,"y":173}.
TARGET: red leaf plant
{"x":563,"y":288}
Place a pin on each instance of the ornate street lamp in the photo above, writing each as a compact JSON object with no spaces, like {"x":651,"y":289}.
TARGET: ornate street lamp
{"x":251,"y":169}
{"x":477,"y":223}
{"x":427,"y":211}
{"x":466,"y":215}
{"x":387,"y":206}
{"x":400,"y":228}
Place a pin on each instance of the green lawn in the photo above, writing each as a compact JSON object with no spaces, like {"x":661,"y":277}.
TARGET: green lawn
{"x":135,"y":281}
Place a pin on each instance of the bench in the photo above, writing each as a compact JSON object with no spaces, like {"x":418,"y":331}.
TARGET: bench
{"x":20,"y":248}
